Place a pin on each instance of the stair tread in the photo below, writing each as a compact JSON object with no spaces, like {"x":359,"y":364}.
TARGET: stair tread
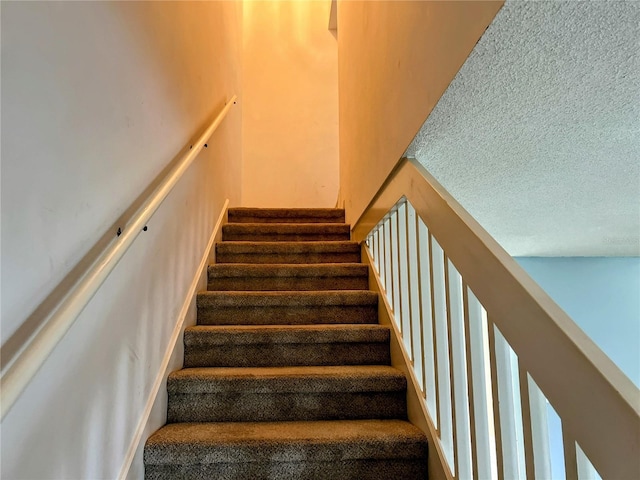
{"x":288,"y":270}
{"x":238,"y":442}
{"x":283,"y":334}
{"x":341,"y":378}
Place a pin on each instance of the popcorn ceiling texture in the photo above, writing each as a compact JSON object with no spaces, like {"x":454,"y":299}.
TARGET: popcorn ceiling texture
{"x":538,"y":136}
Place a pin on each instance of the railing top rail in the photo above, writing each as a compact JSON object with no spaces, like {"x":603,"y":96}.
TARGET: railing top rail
{"x":597,"y":403}
{"x":17,"y":375}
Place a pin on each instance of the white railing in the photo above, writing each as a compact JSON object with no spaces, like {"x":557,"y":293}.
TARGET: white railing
{"x":491,"y":353}
{"x":32,"y":355}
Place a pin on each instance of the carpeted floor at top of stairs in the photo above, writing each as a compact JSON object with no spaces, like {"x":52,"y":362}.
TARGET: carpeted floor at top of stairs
{"x":287,"y":373}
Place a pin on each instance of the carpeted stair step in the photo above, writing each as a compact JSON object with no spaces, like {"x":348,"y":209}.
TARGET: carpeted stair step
{"x":288,"y":252}
{"x":346,"y":449}
{"x":287,"y":308}
{"x":287,"y":373}
{"x":285,"y":232}
{"x":327,"y":276}
{"x":286,"y":215}
{"x":285,"y":345}
{"x":286,"y":393}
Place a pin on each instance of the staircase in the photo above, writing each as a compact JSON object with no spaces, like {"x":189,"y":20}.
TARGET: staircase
{"x":287,"y":373}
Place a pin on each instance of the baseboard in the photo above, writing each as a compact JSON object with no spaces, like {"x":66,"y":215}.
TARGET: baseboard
{"x":339,"y":200}
{"x":209,"y":254}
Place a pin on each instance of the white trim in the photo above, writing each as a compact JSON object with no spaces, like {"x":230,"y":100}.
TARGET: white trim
{"x":135,"y":442}
{"x":37,"y":349}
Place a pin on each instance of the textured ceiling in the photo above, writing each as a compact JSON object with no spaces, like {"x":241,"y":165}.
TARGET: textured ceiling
{"x":538,"y":136}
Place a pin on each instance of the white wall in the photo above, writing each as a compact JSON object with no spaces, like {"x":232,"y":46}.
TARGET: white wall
{"x":97,"y":98}
{"x":290,"y":98}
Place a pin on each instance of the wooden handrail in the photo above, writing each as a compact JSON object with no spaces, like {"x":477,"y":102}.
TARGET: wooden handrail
{"x":37,"y":349}
{"x":597,"y":403}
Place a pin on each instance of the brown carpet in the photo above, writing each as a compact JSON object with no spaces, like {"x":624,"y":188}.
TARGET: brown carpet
{"x":287,"y":373}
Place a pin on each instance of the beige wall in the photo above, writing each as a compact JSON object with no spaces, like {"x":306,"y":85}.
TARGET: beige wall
{"x":290,"y":105}
{"x":395,"y":61}
{"x":97,"y":98}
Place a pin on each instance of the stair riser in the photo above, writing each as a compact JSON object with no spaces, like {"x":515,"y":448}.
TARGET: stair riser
{"x":257,"y":219}
{"x":288,"y":252}
{"x":287,"y":283}
{"x":276,"y":407}
{"x":252,"y":215}
{"x":242,"y":218}
{"x":284,"y":237}
{"x":314,"y":315}
{"x":295,"y":258}
{"x":290,"y":354}
{"x":352,"y":469}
